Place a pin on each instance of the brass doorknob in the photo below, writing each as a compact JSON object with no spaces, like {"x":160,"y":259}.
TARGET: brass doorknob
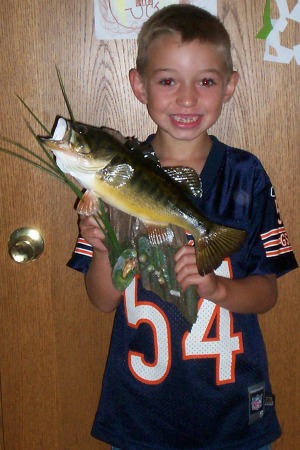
{"x":25,"y":245}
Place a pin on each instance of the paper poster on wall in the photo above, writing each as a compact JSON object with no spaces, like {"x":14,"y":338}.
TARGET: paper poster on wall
{"x":272,"y":32}
{"x":122,"y":19}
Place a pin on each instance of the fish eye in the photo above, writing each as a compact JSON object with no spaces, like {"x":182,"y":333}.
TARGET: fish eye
{"x":79,"y":128}
{"x":79,"y":142}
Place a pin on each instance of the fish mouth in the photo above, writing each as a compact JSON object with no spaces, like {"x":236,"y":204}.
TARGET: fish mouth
{"x":60,"y":130}
{"x":59,"y":139}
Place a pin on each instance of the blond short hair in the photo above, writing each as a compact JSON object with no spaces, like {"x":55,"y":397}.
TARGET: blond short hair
{"x":189,"y":22}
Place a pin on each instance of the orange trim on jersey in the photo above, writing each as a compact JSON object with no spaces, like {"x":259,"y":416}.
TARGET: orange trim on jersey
{"x":216,"y":316}
{"x":273,"y":232}
{"x":199,"y":336}
{"x":271,"y":243}
{"x":82,"y":251}
{"x":281,"y":242}
{"x":81,"y":240}
{"x":280,"y":251}
{"x":138,"y":304}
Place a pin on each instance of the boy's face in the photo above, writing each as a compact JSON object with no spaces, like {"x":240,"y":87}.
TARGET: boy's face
{"x":184,"y":86}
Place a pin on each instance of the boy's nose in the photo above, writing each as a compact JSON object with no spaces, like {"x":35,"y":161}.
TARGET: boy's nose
{"x":187,"y":96}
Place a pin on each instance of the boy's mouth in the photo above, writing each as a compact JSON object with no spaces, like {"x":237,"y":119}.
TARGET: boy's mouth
{"x":186,"y":119}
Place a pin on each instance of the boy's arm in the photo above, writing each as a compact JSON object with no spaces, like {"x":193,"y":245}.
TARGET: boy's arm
{"x":99,"y":286}
{"x":251,"y":295}
{"x":255,"y":294}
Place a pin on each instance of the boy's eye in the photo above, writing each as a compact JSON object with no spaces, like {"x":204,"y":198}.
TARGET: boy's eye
{"x":167,"y":82}
{"x":207,"y":82}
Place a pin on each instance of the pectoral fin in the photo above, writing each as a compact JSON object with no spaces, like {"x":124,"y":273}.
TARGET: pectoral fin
{"x":116,"y":175}
{"x":88,"y":205}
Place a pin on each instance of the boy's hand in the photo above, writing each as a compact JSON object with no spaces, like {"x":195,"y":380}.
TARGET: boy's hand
{"x":100,"y":288}
{"x":187,"y":273}
{"x":91,"y":232}
{"x":254,"y":294}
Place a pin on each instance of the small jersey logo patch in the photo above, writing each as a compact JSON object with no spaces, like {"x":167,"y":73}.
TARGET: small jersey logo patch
{"x":256,"y":395}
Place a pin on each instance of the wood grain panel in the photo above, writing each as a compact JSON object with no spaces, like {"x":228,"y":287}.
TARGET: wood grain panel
{"x":1,"y":420}
{"x":55,"y":341}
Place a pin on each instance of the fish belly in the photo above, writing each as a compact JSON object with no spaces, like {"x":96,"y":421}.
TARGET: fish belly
{"x":147,"y":209}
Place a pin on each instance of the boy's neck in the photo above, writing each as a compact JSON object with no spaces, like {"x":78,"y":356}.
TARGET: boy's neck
{"x":171,"y":152}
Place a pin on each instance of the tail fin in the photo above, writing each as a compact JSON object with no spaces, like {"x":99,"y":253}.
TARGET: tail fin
{"x":219,"y":243}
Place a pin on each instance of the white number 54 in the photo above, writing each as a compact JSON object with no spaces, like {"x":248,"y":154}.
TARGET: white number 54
{"x":196,"y":344}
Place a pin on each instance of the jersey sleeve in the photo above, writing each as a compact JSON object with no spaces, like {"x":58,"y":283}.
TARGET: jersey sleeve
{"x":270,"y":250}
{"x":82,"y":256}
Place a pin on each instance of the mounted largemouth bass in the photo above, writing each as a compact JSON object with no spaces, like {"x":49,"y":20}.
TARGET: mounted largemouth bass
{"x":126,"y":180}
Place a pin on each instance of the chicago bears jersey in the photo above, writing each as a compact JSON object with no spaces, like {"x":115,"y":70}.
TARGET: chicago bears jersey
{"x":172,"y":385}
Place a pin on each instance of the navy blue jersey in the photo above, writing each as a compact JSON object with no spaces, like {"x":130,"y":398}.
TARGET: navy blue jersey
{"x":172,"y":385}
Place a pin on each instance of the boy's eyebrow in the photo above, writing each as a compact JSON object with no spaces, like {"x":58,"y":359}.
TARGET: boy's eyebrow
{"x":209,"y":70}
{"x":164,"y":69}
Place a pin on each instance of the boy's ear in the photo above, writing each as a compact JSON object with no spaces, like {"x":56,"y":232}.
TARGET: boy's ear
{"x":234,"y":78}
{"x":137,"y":86}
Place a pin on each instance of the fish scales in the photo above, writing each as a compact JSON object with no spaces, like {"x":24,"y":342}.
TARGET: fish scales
{"x":165,"y":194}
{"x":156,"y":190}
{"x":164,"y":204}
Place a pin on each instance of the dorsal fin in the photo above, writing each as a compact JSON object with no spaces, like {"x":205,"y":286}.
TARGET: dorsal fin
{"x":115,"y":133}
{"x":187,"y":177}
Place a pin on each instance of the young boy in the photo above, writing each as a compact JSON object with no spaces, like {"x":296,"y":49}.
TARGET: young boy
{"x":168,"y":385}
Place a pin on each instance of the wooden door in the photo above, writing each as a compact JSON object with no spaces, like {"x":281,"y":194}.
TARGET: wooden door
{"x":53,"y":342}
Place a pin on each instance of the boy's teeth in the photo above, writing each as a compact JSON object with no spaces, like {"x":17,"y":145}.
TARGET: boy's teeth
{"x":185,"y":119}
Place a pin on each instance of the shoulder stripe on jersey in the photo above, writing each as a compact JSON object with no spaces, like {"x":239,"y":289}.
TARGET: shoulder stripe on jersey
{"x":273,"y":232}
{"x":279,"y":252}
{"x":83,"y":247}
{"x":80,"y":240}
{"x":276,"y":242}
{"x":80,"y":251}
